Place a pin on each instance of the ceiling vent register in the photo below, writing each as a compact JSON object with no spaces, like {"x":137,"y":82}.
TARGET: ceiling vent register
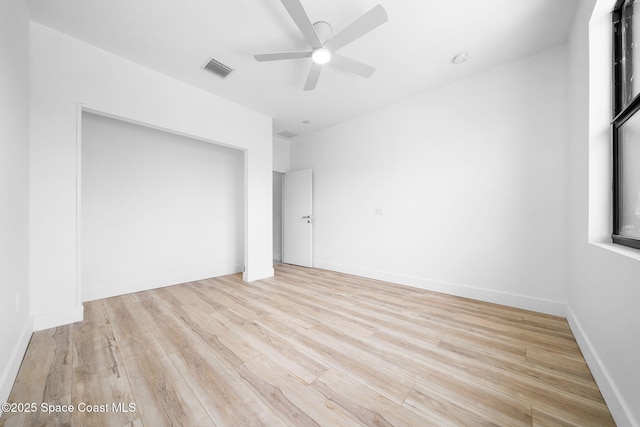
{"x":218,"y":68}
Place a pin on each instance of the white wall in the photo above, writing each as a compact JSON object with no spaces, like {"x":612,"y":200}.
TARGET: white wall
{"x":14,"y":190}
{"x":157,"y":208}
{"x":281,"y":155}
{"x":604,"y":285}
{"x":67,"y":74}
{"x":471,"y":180}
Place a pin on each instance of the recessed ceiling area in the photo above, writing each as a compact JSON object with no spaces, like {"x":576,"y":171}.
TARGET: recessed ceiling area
{"x":412,"y":52}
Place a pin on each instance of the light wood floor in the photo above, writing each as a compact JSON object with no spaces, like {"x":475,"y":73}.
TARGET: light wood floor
{"x":307,"y":348}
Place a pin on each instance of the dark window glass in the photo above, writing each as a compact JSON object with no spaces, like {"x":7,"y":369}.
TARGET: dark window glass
{"x":626,"y":124}
{"x":629,"y":153}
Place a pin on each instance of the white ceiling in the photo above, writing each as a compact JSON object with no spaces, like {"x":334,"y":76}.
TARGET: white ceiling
{"x":412,"y":52}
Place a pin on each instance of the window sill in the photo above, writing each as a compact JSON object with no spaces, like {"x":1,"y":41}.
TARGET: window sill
{"x":620,"y":249}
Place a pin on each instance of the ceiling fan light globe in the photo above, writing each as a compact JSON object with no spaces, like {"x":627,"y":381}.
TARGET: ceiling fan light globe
{"x":321,"y":56}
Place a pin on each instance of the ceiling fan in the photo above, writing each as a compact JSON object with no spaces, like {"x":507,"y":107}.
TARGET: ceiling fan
{"x":324,"y":44}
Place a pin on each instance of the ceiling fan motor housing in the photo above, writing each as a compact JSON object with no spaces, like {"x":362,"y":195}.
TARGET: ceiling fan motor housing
{"x":324,"y":31}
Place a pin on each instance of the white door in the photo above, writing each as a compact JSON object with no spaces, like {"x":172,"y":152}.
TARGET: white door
{"x":297,"y":218}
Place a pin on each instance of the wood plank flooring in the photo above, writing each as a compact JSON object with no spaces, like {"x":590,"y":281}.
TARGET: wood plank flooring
{"x":306,"y":348}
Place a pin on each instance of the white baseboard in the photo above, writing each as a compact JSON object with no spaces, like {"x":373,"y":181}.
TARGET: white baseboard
{"x":91,"y":294}
{"x":10,"y":371}
{"x":58,"y":318}
{"x":257,"y":274}
{"x":540,"y":305}
{"x":619,"y":409}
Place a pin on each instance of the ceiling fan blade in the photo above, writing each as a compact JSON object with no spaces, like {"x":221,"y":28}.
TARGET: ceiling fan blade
{"x":300,"y":17}
{"x":312,"y":78}
{"x":361,"y":26}
{"x":352,"y":65}
{"x":281,"y":55}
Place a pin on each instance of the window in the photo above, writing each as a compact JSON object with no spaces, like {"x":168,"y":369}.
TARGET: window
{"x":626,"y":124}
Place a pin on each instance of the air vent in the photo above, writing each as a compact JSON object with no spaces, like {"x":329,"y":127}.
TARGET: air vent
{"x":218,"y":68}
{"x":287,"y":134}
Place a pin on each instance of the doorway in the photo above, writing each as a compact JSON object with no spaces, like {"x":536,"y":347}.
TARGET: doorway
{"x":293,"y":218}
{"x":297,"y":215}
{"x":277,"y":217}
